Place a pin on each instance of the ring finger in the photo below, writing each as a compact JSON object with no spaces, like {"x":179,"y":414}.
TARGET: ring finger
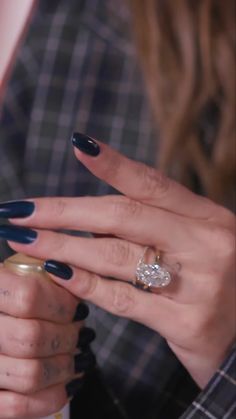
{"x":109,"y":257}
{"x":122,"y":299}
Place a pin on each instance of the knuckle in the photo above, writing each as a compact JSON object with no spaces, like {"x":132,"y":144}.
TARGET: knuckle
{"x":123,"y":299}
{"x":89,"y":285}
{"x":27,"y":338}
{"x":31,"y":376}
{"x":26,"y":297}
{"x":228,"y":243}
{"x":59,"y":207}
{"x":112,"y":169}
{"x":153,"y":181}
{"x":117,"y":253}
{"x":31,"y":334}
{"x":226,"y":217}
{"x":59,"y":243}
{"x":123,"y":208}
{"x":223,"y":241}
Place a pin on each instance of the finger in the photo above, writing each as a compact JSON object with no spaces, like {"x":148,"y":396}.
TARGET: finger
{"x":182,"y":325}
{"x":40,"y":404}
{"x":112,"y":215}
{"x":117,"y":258}
{"x":122,"y":299}
{"x":32,"y":297}
{"x":28,"y":376}
{"x":138,"y":181}
{"x":109,"y":257}
{"x":112,"y":257}
{"x":22,"y":338}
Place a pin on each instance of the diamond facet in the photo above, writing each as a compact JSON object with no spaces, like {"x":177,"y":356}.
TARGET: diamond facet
{"x":152,"y":275}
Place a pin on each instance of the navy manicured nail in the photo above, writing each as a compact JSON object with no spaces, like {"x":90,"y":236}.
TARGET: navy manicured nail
{"x":59,"y":269}
{"x":73,"y":387}
{"x":17,"y":234}
{"x":86,"y":336}
{"x":85,"y":144}
{"x":16,"y":209}
{"x":84,"y":361}
{"x":82,"y":312}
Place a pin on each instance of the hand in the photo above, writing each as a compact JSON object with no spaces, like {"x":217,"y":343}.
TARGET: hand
{"x":38,"y":341}
{"x":195,"y":313}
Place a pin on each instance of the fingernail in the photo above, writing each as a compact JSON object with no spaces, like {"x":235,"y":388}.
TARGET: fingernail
{"x":85,"y":144}
{"x":82,"y":312}
{"x":16,"y":209}
{"x":73,"y":387}
{"x":18,"y":234}
{"x":59,"y":269}
{"x":86,"y":336}
{"x":84,"y":361}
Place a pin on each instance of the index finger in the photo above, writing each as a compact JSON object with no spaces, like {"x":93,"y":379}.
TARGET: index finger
{"x":139,"y":181}
{"x":33,"y":297}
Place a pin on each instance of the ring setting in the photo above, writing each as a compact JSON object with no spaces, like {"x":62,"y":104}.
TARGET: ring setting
{"x":151,"y":275}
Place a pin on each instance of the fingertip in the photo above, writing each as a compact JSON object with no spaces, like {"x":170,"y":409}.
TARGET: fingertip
{"x":21,"y":235}
{"x":20,"y":209}
{"x":81,"y":313}
{"x":59,"y":269}
{"x":85,"y":144}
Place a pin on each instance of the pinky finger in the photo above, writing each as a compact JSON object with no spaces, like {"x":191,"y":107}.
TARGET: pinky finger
{"x":37,"y":405}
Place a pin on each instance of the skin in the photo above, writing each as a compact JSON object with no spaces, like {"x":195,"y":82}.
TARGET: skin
{"x":195,"y":313}
{"x":37,"y":343}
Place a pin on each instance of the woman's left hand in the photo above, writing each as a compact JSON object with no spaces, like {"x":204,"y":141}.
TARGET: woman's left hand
{"x":195,"y":313}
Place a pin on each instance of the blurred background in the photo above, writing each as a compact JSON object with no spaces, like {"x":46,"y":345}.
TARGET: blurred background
{"x":13,"y":18}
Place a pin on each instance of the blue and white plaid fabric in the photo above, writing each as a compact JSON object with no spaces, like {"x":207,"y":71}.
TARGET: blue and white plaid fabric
{"x":77,"y":70}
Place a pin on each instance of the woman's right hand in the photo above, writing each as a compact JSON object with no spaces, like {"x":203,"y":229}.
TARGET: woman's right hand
{"x":38,"y":341}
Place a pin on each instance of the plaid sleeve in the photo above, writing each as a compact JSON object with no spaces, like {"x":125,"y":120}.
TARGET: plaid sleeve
{"x":218,"y":399}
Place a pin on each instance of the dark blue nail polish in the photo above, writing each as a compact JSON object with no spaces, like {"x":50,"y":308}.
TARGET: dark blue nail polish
{"x":17,"y":234}
{"x":73,"y":387}
{"x":82,"y":312}
{"x":59,"y":269}
{"x":16,"y":209}
{"x":84,"y":361}
{"x":85,"y":144}
{"x":86,"y":336}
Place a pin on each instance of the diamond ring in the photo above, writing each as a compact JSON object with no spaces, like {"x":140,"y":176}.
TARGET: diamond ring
{"x":151,"y":275}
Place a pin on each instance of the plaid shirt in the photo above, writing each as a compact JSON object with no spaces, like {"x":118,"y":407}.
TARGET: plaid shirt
{"x":77,"y":70}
